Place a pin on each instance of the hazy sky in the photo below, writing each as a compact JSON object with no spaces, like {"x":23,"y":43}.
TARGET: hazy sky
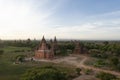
{"x":66,"y":19}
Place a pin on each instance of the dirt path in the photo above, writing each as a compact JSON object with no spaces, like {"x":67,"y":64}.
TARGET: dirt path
{"x":96,"y":69}
{"x":80,"y":63}
{"x":73,"y":60}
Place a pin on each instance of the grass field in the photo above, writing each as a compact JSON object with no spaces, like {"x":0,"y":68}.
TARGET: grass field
{"x":8,"y":70}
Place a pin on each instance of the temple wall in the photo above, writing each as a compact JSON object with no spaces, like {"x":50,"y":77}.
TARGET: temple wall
{"x":39,"y":54}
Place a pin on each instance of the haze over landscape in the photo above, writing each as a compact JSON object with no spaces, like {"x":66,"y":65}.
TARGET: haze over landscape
{"x":66,"y":19}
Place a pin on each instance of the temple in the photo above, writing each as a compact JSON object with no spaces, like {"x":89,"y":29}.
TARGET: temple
{"x":44,"y":51}
{"x":79,"y":49}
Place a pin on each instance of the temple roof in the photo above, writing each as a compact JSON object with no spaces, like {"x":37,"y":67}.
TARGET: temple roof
{"x":43,"y":44}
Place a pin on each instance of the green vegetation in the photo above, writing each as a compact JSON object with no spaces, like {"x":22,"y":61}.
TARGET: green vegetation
{"x":106,"y":54}
{"x":100,"y":63}
{"x":1,"y":52}
{"x":106,"y":76}
{"x":20,"y":58}
{"x":78,"y":71}
{"x":8,"y":70}
{"x":12,"y":51}
{"x":45,"y":73}
{"x":65,"y":48}
{"x":9,"y":52}
{"x":88,"y":71}
{"x":115,"y":63}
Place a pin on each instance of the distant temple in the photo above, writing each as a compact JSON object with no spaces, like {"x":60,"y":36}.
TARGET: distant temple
{"x":44,"y":51}
{"x":79,"y":48}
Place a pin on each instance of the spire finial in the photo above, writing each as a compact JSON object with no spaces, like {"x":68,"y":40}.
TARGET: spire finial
{"x":43,"y":39}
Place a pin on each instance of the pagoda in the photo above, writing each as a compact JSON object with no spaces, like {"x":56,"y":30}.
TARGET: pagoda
{"x":43,"y":51}
{"x":80,"y":49}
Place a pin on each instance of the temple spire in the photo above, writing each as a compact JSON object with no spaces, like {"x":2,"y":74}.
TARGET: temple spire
{"x":43,"y":38}
{"x":55,"y":40}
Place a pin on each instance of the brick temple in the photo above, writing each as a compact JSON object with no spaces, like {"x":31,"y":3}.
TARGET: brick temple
{"x":45,"y":51}
{"x":79,"y":49}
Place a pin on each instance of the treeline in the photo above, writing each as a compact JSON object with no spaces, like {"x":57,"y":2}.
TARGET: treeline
{"x":104,"y":47}
{"x":20,"y":43}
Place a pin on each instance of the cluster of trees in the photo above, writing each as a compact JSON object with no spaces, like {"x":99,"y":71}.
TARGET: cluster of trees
{"x":114,"y":62}
{"x":106,"y":76}
{"x":105,"y":47}
{"x":98,"y":54}
{"x":46,"y":73}
{"x":108,"y":54}
{"x":66,"y":48}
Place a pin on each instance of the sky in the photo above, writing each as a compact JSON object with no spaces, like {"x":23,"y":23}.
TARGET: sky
{"x":65,"y":19}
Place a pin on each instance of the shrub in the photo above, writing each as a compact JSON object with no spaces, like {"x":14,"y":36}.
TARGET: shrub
{"x":1,"y":52}
{"x":105,"y":76}
{"x":20,"y":58}
{"x":78,"y":71}
{"x":88,"y":71}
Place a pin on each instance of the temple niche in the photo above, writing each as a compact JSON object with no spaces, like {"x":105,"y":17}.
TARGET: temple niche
{"x":79,"y":49}
{"x":45,"y":51}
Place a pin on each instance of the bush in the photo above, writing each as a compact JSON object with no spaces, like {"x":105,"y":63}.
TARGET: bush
{"x":118,"y":67}
{"x":19,"y":50}
{"x":78,"y":71}
{"x":88,"y":71}
{"x":20,"y":58}
{"x":100,"y":63}
{"x":1,"y":52}
{"x":105,"y":76}
{"x":99,"y":55}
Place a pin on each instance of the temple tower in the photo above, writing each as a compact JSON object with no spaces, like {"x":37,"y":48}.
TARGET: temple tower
{"x":52,"y":49}
{"x":78,"y":48}
{"x":43,"y":52}
{"x":55,"y":45}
